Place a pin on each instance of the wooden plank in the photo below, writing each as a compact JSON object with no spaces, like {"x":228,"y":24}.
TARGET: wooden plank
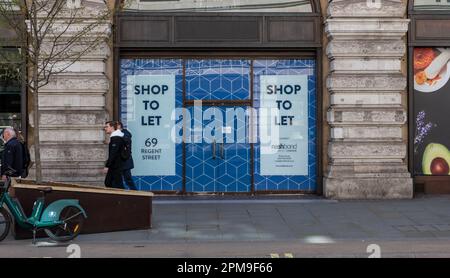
{"x":141,"y":31}
{"x":80,"y":188}
{"x":432,"y":184}
{"x":107,"y":209}
{"x":291,"y":29}
{"x":145,"y":29}
{"x":218,"y":29}
{"x":432,"y":29}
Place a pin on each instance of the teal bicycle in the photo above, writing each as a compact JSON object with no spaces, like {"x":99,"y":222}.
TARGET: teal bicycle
{"x":61,"y":220}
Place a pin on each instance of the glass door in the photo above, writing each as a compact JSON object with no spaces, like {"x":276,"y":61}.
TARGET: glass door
{"x":218,"y":156}
{"x":218,"y":159}
{"x":221,"y":125}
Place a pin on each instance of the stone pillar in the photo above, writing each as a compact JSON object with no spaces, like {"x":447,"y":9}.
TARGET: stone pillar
{"x":367,"y":115}
{"x":73,"y":111}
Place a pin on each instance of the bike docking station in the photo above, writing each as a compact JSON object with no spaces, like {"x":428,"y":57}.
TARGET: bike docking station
{"x":106,"y":209}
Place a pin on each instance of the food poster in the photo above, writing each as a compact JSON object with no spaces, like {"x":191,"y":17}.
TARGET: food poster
{"x":431,"y":111}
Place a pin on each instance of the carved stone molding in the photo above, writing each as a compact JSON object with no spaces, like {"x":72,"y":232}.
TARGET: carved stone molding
{"x":367,"y":151}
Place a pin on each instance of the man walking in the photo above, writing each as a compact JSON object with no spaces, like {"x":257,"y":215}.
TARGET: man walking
{"x":12,"y":157}
{"x":128,"y":164}
{"x":114,"y":164}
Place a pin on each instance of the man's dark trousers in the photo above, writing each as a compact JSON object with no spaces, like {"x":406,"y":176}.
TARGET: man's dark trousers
{"x":128,"y":179}
{"x":114,"y":178}
{"x":128,"y":165}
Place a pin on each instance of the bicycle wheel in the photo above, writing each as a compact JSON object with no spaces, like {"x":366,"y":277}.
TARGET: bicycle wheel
{"x":5,"y":223}
{"x":73,"y":218}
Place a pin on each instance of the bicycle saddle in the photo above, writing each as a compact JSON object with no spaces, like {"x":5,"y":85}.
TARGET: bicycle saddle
{"x":45,"y":189}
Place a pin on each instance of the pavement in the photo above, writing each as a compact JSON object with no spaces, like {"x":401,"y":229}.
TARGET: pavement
{"x":268,"y":227}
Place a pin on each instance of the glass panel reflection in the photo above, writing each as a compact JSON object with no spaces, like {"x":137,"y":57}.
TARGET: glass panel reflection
{"x":217,"y":79}
{"x":432,"y":4}
{"x":220,"y":5}
{"x":10,"y":87}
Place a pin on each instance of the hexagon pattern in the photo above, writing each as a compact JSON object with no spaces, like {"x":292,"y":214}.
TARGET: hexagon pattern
{"x":289,"y":67}
{"x":218,"y":79}
{"x":228,"y":170}
{"x":154,"y":67}
{"x":219,"y":163}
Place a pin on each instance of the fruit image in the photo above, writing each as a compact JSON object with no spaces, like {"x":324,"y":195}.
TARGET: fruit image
{"x":421,"y":77}
{"x":436,"y":160}
{"x":423,"y":58}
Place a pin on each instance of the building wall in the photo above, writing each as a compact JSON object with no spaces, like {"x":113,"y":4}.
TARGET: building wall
{"x":364,"y":101}
{"x":367,"y":149}
{"x":74,"y":107}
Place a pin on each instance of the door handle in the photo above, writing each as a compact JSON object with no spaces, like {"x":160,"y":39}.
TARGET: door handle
{"x":214,"y":150}
{"x":222,"y":152}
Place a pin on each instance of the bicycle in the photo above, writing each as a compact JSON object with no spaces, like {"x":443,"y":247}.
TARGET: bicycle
{"x":61,"y":220}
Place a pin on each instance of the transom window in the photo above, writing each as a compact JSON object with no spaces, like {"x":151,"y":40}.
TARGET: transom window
{"x":432,"y":4}
{"x":220,"y":5}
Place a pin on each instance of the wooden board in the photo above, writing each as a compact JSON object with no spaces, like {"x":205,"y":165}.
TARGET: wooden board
{"x":432,"y":184}
{"x":80,"y":188}
{"x":108,"y":209}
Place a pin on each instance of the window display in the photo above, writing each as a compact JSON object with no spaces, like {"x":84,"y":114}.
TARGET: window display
{"x":432,"y":117}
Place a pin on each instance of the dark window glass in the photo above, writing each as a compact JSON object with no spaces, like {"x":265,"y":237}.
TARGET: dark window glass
{"x":220,"y":5}
{"x":10,"y":87}
{"x":432,"y":5}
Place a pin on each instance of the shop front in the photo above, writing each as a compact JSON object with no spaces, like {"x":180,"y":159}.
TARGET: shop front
{"x":255,"y":96}
{"x":429,"y":87}
{"x":12,"y":90}
{"x":221,"y":98}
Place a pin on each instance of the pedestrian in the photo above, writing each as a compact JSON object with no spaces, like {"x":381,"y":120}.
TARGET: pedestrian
{"x":114,"y":164}
{"x":26,"y":158}
{"x":2,"y":144}
{"x":129,"y":163}
{"x":12,"y":157}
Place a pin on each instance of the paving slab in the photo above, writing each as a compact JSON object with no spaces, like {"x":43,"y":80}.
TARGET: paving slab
{"x":258,"y":227}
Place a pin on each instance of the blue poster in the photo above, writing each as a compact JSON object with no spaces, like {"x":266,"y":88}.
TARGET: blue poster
{"x":150,"y":103}
{"x":283,"y":123}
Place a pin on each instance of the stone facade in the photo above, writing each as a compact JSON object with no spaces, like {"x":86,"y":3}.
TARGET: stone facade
{"x":73,"y":110}
{"x":367,"y":148}
{"x":366,"y":87}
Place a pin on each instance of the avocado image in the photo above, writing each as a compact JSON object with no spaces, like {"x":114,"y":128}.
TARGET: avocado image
{"x":436,"y":160}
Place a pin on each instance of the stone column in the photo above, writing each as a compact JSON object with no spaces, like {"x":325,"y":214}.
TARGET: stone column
{"x":367,"y":115}
{"x":73,"y":111}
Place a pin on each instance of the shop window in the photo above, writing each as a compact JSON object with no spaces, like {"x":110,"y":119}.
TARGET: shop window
{"x":429,"y":45}
{"x":10,"y":87}
{"x":203,"y":115}
{"x":220,"y":6}
{"x":431,"y":98}
{"x":432,"y":5}
{"x":244,"y":120}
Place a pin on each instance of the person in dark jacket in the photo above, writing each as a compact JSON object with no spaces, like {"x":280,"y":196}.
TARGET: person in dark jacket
{"x":114,"y":164}
{"x":128,"y":164}
{"x":12,"y":157}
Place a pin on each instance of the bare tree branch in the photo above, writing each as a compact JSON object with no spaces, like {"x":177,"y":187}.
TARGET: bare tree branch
{"x":54,"y":38}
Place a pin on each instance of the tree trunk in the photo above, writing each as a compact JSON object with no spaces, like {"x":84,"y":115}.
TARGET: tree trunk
{"x":36,"y":116}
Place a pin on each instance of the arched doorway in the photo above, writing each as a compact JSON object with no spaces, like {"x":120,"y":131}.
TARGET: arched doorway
{"x":215,"y":59}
